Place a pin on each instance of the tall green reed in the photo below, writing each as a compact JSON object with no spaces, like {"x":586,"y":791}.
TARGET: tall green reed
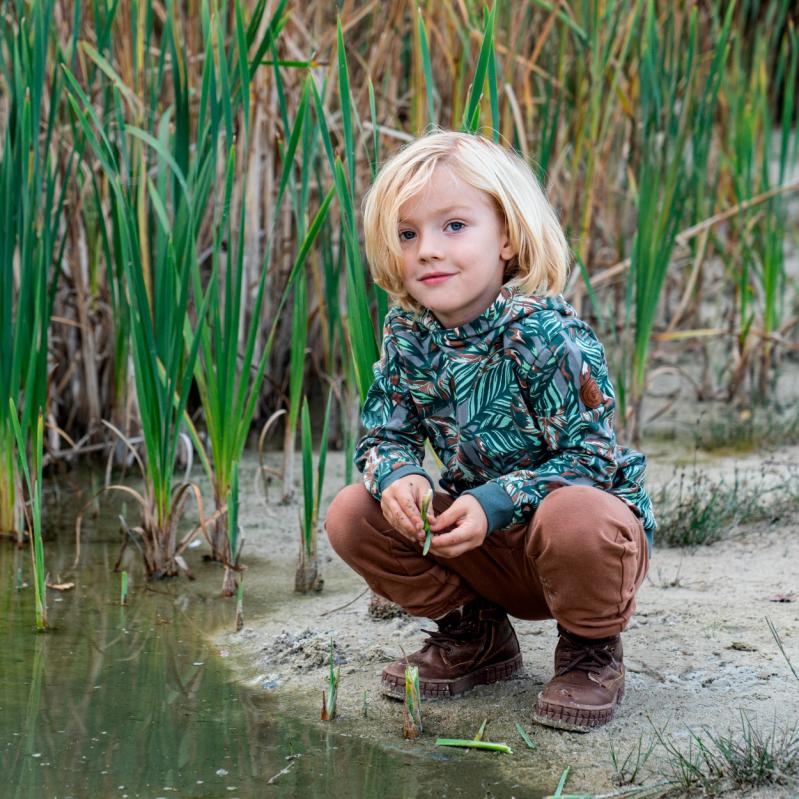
{"x":32,"y":195}
{"x":353,"y":323}
{"x":759,"y":73}
{"x":33,"y":483}
{"x":308,"y":576}
{"x":158,"y":198}
{"x":229,"y":380}
{"x":668,"y":77}
{"x":298,"y":189}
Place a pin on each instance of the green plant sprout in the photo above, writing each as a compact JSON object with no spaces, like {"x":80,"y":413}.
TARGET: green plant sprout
{"x":412,"y":709}
{"x":329,"y":697}
{"x":428,"y":535}
{"x":123,"y":588}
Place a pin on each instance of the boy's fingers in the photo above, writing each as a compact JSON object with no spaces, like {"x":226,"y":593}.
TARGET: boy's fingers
{"x":398,"y":519}
{"x":446,"y":518}
{"x":445,"y":540}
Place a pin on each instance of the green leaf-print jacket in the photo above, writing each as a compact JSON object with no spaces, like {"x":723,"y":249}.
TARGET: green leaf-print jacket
{"x":516,"y":403}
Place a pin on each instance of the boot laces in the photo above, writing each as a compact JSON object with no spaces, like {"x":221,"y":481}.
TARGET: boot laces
{"x":588,"y":658}
{"x":451,"y":636}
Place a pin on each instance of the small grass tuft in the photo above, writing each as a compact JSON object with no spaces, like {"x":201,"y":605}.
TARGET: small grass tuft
{"x":741,"y":760}
{"x":627,"y":768}
{"x":330,"y":696}
{"x":696,"y":508}
{"x":749,"y":430}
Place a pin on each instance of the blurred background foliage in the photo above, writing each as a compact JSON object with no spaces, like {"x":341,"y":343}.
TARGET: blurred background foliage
{"x":181,"y":181}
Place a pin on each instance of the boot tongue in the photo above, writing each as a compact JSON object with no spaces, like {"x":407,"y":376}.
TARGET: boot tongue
{"x":451,"y":622}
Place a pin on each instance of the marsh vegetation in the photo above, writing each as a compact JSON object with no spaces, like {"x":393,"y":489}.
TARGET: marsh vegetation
{"x":181,"y":265}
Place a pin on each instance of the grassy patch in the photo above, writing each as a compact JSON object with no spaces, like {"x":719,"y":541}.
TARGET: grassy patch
{"x":749,"y":430}
{"x":745,"y":759}
{"x":696,"y":508}
{"x":628,"y":766}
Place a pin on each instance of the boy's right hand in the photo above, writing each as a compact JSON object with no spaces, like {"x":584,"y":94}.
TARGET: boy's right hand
{"x":400,"y":503}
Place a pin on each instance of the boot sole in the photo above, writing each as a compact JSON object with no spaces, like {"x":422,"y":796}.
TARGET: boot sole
{"x":448,"y":689}
{"x":574,"y":719}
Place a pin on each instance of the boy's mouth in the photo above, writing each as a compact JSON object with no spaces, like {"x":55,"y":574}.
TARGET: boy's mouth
{"x":435,"y":278}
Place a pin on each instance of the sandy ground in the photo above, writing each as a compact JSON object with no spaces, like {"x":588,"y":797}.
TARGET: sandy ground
{"x":699,"y":652}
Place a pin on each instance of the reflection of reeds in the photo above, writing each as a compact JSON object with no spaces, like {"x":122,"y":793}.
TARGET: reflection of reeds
{"x":123,"y":588}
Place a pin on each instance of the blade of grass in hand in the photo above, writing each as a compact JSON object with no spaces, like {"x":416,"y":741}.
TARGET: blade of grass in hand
{"x":428,"y":537}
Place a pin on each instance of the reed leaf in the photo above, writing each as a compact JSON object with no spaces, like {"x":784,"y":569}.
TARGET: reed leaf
{"x":33,"y":482}
{"x":471,"y":114}
{"x":32,"y":196}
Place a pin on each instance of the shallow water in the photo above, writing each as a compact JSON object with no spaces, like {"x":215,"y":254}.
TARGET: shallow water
{"x":132,"y":701}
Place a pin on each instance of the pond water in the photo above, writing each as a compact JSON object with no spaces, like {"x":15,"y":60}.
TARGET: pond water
{"x":132,"y":701}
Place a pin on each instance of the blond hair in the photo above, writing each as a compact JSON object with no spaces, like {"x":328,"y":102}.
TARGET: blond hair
{"x":542,"y":253}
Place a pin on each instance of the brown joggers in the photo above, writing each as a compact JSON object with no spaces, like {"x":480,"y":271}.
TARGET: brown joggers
{"x":580,"y":561}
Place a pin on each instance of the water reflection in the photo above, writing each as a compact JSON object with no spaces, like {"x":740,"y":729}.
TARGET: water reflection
{"x":130,"y":702}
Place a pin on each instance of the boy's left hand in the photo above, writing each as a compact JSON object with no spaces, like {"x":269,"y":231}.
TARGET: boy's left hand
{"x":468,"y":520}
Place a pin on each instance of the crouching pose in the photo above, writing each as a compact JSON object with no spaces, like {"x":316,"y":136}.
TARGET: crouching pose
{"x":541,"y":514}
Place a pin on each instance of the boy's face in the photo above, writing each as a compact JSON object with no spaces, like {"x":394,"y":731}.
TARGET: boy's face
{"x":454,"y":246}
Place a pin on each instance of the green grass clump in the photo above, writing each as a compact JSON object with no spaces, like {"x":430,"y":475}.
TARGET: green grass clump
{"x":696,"y":508}
{"x":744,"y":759}
{"x":751,"y":430}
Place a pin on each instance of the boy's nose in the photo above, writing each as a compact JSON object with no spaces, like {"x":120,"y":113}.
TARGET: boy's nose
{"x":429,"y":247}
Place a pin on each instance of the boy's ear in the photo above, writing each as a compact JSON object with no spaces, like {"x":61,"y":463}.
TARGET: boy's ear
{"x":507,"y":250}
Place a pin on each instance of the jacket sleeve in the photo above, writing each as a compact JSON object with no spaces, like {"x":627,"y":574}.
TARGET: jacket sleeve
{"x":393,"y":443}
{"x":570,"y":398}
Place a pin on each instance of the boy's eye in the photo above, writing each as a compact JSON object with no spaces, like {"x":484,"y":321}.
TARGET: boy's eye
{"x":455,"y":226}
{"x":406,"y":235}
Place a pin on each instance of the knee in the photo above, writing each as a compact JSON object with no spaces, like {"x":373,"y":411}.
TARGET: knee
{"x":576,"y":519}
{"x":345,"y":516}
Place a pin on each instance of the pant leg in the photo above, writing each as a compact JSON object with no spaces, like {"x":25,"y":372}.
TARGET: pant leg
{"x":580,"y":561}
{"x":392,"y":565}
{"x":590,"y":553}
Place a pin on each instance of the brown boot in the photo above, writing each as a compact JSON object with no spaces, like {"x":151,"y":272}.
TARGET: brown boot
{"x":474,"y":645}
{"x":587,"y":686}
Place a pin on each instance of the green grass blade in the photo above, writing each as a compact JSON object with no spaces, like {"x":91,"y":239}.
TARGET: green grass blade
{"x":470,"y":743}
{"x":471,"y":114}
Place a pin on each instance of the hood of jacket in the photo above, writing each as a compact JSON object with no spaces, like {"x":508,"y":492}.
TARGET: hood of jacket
{"x":509,"y":307}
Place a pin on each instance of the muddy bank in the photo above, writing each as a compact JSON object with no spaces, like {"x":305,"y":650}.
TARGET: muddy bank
{"x":698,"y":652}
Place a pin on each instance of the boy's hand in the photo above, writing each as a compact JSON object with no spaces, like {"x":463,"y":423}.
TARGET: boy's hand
{"x":400,"y":503}
{"x":470,"y":527}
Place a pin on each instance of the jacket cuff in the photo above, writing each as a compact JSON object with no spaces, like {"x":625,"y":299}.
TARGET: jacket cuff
{"x":496,"y":504}
{"x":403,"y":471}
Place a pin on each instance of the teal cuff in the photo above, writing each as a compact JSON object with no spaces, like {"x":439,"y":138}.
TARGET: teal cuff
{"x":403,"y":471}
{"x":496,"y":504}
